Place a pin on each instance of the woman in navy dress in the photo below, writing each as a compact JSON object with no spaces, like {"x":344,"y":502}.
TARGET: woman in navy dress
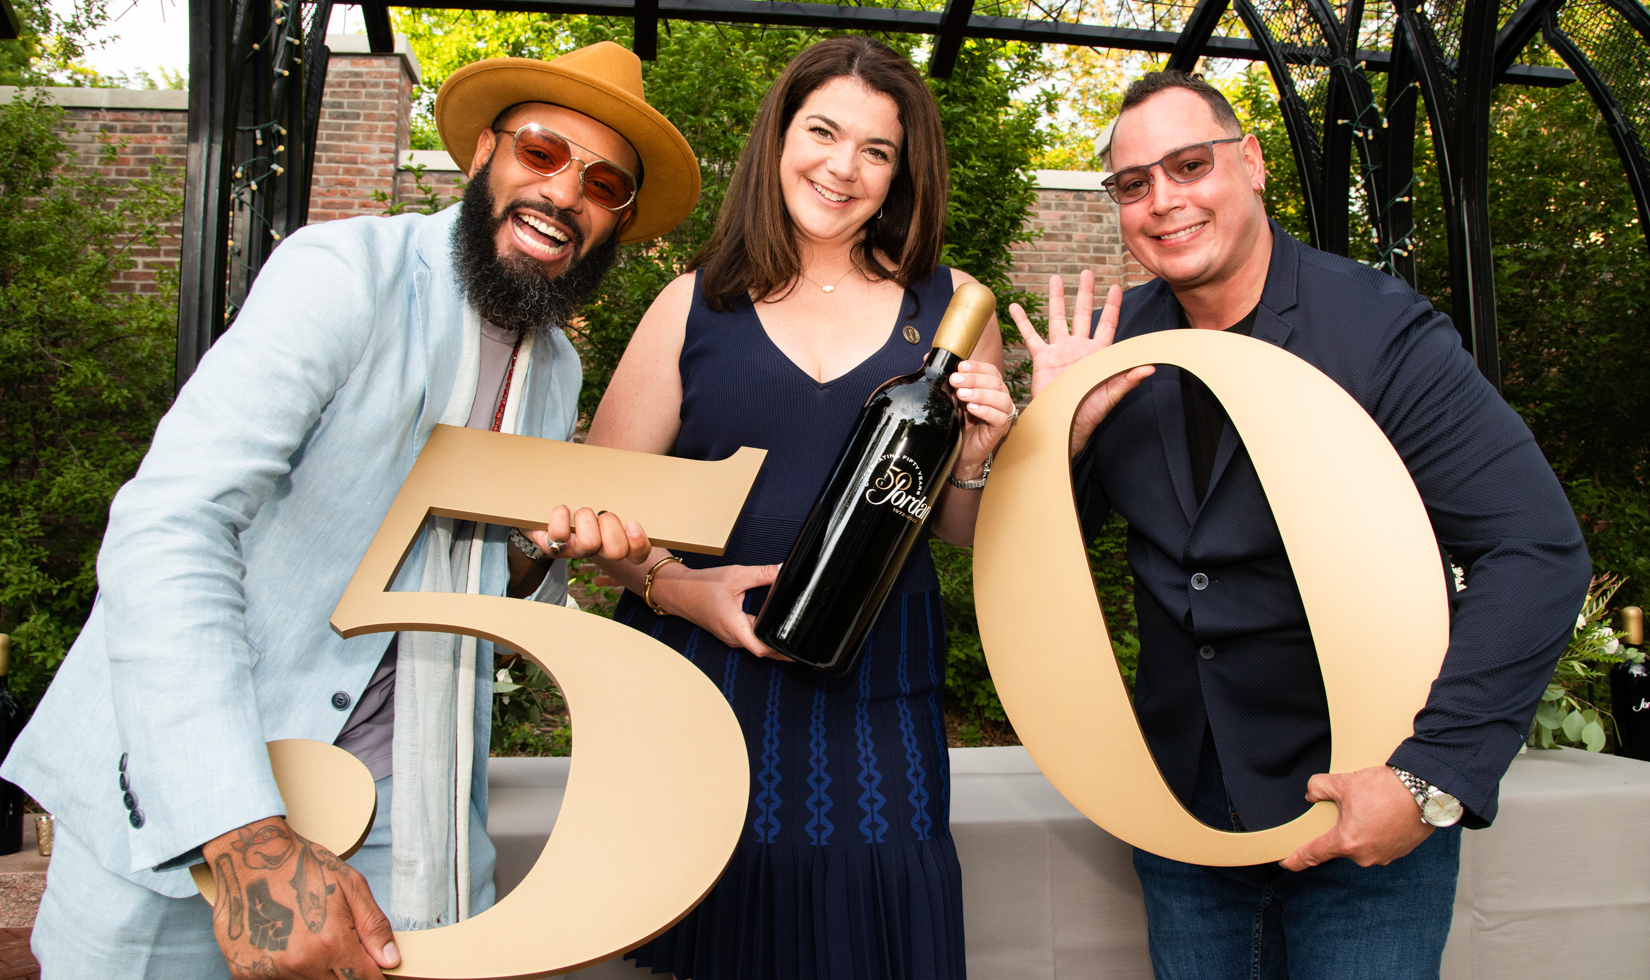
{"x":821,"y":282}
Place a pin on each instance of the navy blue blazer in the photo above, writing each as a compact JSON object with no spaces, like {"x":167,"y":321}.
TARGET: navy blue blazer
{"x":1237,"y":657}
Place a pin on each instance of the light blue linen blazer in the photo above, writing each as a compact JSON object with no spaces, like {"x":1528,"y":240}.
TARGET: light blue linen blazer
{"x":227,"y":552}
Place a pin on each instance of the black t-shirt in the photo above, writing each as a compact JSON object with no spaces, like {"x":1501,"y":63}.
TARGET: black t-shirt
{"x":1205,"y":417}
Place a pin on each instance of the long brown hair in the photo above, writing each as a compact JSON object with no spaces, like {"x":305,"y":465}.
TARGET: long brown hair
{"x":753,"y":251}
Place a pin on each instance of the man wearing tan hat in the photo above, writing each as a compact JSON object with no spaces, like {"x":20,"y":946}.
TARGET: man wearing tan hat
{"x":226,"y":554}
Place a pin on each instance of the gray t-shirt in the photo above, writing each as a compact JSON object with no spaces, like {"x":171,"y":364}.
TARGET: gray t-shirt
{"x":369,"y":735}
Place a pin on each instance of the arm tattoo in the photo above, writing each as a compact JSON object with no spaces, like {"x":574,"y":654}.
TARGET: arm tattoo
{"x":269,"y":920}
{"x":231,"y":903}
{"x":348,"y":973}
{"x":310,"y":884}
{"x":267,"y":847}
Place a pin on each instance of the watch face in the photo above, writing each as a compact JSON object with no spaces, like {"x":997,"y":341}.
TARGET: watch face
{"x":1441,"y":810}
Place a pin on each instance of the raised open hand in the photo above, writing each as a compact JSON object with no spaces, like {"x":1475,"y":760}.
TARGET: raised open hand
{"x":1068,"y":345}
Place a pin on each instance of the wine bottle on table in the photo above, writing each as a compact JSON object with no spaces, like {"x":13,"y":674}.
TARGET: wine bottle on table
{"x":876,"y":502}
{"x":11,"y":720}
{"x":1630,"y":692}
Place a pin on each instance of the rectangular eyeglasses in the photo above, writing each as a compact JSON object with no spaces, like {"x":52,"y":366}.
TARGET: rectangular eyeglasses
{"x":1183,"y":166}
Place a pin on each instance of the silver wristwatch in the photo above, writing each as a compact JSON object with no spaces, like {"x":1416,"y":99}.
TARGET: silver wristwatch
{"x":1438,"y":808}
{"x":972,"y":484}
{"x":525,"y":545}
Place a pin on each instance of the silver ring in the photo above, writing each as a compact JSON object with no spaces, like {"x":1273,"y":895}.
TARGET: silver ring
{"x":556,"y":548}
{"x":1013,"y":415}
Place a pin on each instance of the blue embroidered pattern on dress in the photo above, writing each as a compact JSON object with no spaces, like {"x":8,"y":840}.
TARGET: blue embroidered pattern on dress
{"x":729,"y":673}
{"x":691,"y":651}
{"x":819,"y":803}
{"x":767,"y":801}
{"x":934,"y":701}
{"x":875,"y":825}
{"x":915,"y":774}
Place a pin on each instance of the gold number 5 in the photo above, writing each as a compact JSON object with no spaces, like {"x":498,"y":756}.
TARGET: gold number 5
{"x":620,"y":867}
{"x":1358,"y":539}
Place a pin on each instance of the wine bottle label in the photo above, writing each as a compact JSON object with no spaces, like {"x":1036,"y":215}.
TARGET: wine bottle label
{"x":900,"y":485}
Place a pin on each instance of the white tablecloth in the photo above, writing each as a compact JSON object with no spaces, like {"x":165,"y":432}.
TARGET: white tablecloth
{"x":1560,"y":884}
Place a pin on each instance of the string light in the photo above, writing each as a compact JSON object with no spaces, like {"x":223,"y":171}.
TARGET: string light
{"x":285,"y":42}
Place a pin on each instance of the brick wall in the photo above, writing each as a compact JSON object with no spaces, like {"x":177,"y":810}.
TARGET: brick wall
{"x":1078,"y":221}
{"x":143,"y":129}
{"x":364,"y":127}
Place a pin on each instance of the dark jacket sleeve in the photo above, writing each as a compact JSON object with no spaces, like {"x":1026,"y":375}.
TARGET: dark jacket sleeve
{"x":1092,"y":505}
{"x":1499,"y":513}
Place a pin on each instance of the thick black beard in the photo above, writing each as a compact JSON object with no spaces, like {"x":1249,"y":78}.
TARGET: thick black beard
{"x":515,"y":292}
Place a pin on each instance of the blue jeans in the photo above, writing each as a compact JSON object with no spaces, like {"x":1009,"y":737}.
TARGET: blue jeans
{"x":1336,"y":921}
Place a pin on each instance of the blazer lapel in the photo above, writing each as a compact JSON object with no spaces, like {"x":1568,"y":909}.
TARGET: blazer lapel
{"x":1278,"y":296}
{"x":438,"y":317}
{"x":1164,"y":314}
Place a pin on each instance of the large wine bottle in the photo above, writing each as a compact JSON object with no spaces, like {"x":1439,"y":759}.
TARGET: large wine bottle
{"x":11,"y":721}
{"x":876,"y":502}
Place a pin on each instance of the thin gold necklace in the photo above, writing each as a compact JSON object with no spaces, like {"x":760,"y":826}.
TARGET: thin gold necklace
{"x":823,"y":288}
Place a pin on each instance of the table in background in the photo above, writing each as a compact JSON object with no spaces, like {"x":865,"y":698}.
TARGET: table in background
{"x":1560,"y":884}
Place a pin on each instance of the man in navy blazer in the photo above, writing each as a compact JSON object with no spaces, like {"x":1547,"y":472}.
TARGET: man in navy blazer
{"x":1228,"y":691}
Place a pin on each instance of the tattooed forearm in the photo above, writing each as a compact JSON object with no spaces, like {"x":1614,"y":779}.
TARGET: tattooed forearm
{"x":309,"y":882}
{"x":269,"y":921}
{"x":270,"y":846}
{"x":231,"y":903}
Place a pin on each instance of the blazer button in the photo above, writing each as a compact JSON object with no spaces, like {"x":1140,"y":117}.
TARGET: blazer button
{"x":123,"y":761}
{"x":1200,"y":581}
{"x":1206,"y":652}
{"x":135,"y":819}
{"x":130,"y":800}
{"x":340,"y":700}
{"x":124,"y":784}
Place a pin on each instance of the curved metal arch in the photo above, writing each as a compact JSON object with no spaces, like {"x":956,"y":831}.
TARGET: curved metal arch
{"x":1456,"y":86}
{"x":1623,"y":133}
{"x":1350,"y":121}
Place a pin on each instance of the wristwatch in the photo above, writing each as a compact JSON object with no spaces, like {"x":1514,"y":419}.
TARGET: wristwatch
{"x":972,"y":484}
{"x":525,"y":545}
{"x":1437,"y":807}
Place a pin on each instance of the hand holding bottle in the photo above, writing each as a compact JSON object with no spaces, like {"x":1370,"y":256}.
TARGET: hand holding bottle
{"x":988,"y":415}
{"x":713,"y":599}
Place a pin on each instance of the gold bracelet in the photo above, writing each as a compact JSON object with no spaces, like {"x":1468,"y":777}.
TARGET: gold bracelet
{"x":647,"y":586}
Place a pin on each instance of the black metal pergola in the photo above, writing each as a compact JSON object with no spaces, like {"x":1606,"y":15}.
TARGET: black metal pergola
{"x":257,"y":69}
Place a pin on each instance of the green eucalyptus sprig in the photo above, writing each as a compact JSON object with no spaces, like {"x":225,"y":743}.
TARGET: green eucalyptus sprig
{"x":1564,"y":717}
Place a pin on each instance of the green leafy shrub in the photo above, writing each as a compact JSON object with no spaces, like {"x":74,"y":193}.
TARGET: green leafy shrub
{"x":529,"y":713}
{"x":85,"y":374}
{"x":969,"y":690}
{"x":1565,"y":717}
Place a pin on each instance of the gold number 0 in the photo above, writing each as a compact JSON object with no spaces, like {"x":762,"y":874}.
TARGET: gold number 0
{"x":1358,"y":539}
{"x":621,"y":866}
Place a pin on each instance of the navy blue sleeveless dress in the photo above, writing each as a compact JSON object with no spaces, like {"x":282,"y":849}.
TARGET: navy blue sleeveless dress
{"x":846,"y":869}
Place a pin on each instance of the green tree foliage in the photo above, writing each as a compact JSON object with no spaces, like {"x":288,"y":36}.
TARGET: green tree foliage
{"x":85,"y":374}
{"x":55,"y":38}
{"x":1572,"y":278}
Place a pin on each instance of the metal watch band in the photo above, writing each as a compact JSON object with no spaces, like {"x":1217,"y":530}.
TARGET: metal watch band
{"x":1438,"y":808}
{"x":972,"y":484}
{"x":525,"y":545}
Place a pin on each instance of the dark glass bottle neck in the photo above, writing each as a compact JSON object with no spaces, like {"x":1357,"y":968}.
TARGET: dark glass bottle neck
{"x":940,"y":365}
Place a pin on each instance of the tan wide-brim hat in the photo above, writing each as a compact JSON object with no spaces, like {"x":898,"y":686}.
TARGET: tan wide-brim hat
{"x":603,"y":81}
